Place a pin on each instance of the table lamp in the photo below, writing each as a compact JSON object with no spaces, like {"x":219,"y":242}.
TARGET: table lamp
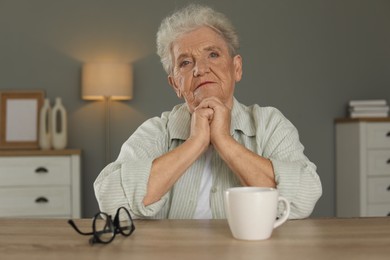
{"x":107,"y":81}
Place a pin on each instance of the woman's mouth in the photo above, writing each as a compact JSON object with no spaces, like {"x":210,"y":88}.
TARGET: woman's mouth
{"x":204,"y":84}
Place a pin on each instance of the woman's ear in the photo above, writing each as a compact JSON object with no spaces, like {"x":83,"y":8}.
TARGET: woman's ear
{"x":237,"y":61}
{"x":172,"y":82}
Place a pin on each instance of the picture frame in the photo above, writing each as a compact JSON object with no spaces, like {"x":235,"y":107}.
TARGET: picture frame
{"x":19,"y":119}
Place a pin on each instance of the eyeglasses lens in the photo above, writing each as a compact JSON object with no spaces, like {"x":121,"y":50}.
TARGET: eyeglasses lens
{"x":104,"y":228}
{"x":125,"y":222}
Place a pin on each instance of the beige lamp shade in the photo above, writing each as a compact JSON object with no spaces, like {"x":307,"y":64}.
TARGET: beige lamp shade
{"x":107,"y":80}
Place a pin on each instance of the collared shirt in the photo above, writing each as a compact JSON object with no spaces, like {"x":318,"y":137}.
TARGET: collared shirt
{"x":263,"y":130}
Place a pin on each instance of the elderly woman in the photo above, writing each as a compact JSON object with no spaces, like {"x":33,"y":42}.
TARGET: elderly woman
{"x":178,"y":165}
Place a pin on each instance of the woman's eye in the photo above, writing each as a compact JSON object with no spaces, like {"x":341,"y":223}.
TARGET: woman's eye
{"x":184,"y":63}
{"x":214,"y":55}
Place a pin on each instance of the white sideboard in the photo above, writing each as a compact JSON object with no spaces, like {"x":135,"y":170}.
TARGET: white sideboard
{"x":363,"y":167}
{"x":40,"y":183}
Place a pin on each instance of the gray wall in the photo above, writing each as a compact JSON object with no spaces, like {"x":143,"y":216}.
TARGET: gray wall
{"x":306,"y":57}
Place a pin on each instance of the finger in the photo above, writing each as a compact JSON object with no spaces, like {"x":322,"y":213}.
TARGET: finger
{"x":206,"y":113}
{"x":211,"y":102}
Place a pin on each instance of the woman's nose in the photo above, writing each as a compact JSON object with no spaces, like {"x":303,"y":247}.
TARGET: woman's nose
{"x":200,"y":68}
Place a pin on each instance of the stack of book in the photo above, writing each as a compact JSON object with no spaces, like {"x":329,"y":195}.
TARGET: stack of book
{"x":368,"y":108}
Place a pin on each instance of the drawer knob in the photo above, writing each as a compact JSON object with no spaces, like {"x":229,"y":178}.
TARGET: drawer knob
{"x":388,"y":214}
{"x":388,"y":161}
{"x":41,"y":170}
{"x":388,"y":188}
{"x":388,"y":134}
{"x":41,"y":200}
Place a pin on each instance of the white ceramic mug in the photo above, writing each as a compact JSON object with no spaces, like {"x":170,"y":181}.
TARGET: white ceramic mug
{"x":251,"y":212}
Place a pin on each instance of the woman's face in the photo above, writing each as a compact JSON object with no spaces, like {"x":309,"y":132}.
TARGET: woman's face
{"x":203,"y":67}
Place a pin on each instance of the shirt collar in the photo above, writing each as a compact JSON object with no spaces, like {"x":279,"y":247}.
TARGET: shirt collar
{"x":242,"y":119}
{"x":179,"y":123}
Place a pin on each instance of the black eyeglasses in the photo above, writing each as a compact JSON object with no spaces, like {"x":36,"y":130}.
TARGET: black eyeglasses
{"x":104,"y":229}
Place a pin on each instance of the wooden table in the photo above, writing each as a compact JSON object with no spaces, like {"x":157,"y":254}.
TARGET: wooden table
{"x":356,"y":238}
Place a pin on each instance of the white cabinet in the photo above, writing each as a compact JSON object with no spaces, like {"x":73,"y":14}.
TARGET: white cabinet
{"x":362,"y":167}
{"x":40,"y":183}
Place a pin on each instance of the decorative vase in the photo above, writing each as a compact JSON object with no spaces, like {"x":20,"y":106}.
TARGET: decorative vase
{"x":45,"y":125}
{"x":59,"y":125}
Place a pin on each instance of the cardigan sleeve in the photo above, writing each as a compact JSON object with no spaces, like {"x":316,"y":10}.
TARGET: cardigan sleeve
{"x":124,"y":182}
{"x":295,"y":175}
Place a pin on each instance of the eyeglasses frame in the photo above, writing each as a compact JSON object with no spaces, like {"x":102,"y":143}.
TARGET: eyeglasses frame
{"x":116,"y":228}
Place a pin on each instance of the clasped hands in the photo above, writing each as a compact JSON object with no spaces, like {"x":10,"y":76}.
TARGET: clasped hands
{"x":210,"y":122}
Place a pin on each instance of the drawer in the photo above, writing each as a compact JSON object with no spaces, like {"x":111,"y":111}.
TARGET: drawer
{"x":35,"y":201}
{"x":378,"y":135}
{"x":379,"y":190}
{"x":378,"y":210}
{"x":50,"y":170}
{"x":379,"y":162}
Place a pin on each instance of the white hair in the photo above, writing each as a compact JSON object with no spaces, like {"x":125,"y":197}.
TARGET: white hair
{"x":188,"y":19}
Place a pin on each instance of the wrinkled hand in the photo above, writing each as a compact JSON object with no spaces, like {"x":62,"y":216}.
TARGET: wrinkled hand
{"x":200,"y":126}
{"x":219,"y":122}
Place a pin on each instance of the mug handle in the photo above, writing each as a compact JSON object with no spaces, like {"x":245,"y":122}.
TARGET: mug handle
{"x":286,"y":212}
